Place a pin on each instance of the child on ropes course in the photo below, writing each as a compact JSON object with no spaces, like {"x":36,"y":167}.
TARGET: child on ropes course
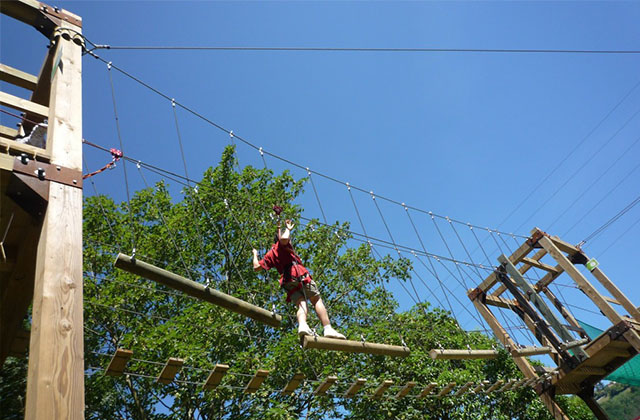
{"x":296,"y":280}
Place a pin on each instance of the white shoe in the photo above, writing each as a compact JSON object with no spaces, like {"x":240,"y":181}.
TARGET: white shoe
{"x":329,"y":332}
{"x":303,"y":329}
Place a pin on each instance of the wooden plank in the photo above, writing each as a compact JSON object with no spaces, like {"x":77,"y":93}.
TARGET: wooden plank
{"x":541,"y":265}
{"x":170,"y":370}
{"x":449,"y":354}
{"x":523,"y":269}
{"x":355,"y":387}
{"x":350,"y":346}
{"x":444,"y":391}
{"x":197,"y":290}
{"x":17,"y":77}
{"x":294,"y":382}
{"x":8,"y":133}
{"x":580,"y":280}
{"x":325,"y":385}
{"x":515,"y":258}
{"x":564,"y":312}
{"x":382,"y":388}
{"x":495,"y":386}
{"x":215,"y":377}
{"x":480,"y":387}
{"x":118,"y":362}
{"x":256,"y":381}
{"x":564,"y":246}
{"x":14,"y":148}
{"x":621,"y":298}
{"x":428,"y":390}
{"x":463,"y":389}
{"x":23,"y":105}
{"x":501,"y":302}
{"x":405,"y":390}
{"x":55,"y":383}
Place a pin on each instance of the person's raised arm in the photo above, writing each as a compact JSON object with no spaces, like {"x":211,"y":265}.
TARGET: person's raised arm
{"x":285,"y":237}
{"x":256,"y":263}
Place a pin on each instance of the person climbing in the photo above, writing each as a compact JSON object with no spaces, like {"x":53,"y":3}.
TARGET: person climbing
{"x":296,"y":280}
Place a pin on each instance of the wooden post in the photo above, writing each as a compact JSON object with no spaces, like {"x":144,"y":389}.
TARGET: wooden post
{"x":55,"y":382}
{"x":444,"y":391}
{"x":196,"y":290}
{"x":531,"y":351}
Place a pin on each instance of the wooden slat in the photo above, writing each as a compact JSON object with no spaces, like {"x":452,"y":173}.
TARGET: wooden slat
{"x":15,"y":148}
{"x":294,"y":382}
{"x":355,"y":387}
{"x":463,"y":389}
{"x":170,"y":370}
{"x":215,"y":377}
{"x":500,"y":302}
{"x":18,"y":77}
{"x":523,"y":269}
{"x":382,"y":388}
{"x":449,"y":354}
{"x":352,"y":346}
{"x":428,"y":389}
{"x":515,"y":258}
{"x":621,"y":298}
{"x":495,"y":386}
{"x":23,"y":105}
{"x":325,"y":385}
{"x":541,"y":265}
{"x":405,"y":390}
{"x":564,"y":246}
{"x":507,"y":386}
{"x":256,"y":381}
{"x":118,"y":362}
{"x":444,"y":391}
{"x":8,"y":133}
{"x":480,"y":387}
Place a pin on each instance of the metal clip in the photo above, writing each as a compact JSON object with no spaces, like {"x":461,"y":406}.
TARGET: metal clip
{"x":109,"y":65}
{"x":231,"y":134}
{"x":173,"y":102}
{"x":362,"y":338}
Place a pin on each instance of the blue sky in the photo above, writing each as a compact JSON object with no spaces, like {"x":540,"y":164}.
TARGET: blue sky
{"x":465,"y":135}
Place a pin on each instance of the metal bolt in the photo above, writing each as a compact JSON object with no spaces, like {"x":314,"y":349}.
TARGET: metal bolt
{"x":41,"y":173}
{"x":24,"y":158}
{"x":75,"y":182}
{"x":57,"y":167}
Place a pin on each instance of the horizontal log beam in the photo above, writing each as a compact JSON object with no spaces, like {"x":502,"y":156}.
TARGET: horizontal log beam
{"x":23,"y":105}
{"x":118,"y":362}
{"x":215,"y":377}
{"x":448,"y":354}
{"x":197,"y":290}
{"x":350,"y":346}
{"x":18,"y":78}
{"x":531,"y":351}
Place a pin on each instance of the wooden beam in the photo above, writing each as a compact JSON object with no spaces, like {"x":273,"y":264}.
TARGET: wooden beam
{"x":449,"y":354}
{"x":495,"y":386}
{"x":382,"y":388}
{"x":8,"y":133}
{"x":170,"y":370}
{"x":215,"y":377}
{"x":405,"y":390}
{"x":444,"y":391}
{"x":480,"y":387}
{"x":325,"y":385}
{"x":17,"y":77}
{"x":256,"y":381}
{"x":515,"y":258}
{"x":523,"y":269}
{"x":463,"y":389}
{"x":355,"y":387}
{"x":621,"y":298}
{"x":55,"y":382}
{"x":530,"y":351}
{"x":541,"y":265}
{"x":294,"y":382}
{"x":428,"y":389}
{"x":501,"y":302}
{"x":14,"y":148}
{"x":23,"y":105}
{"x":197,"y":290}
{"x":564,"y":312}
{"x":350,"y":346}
{"x":118,"y":362}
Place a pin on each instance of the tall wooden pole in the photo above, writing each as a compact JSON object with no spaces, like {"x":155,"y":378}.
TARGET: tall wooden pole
{"x":55,"y":385}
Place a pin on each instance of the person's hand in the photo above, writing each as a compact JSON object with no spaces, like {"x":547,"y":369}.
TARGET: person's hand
{"x":255,"y":252}
{"x":289,"y":224}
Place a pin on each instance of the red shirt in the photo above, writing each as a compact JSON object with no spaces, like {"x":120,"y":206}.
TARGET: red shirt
{"x":282,"y":257}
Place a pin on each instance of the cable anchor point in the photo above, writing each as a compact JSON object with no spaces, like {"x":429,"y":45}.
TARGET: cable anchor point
{"x":109,"y":65}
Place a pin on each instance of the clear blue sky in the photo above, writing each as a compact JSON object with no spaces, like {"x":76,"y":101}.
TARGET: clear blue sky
{"x":467,"y":135}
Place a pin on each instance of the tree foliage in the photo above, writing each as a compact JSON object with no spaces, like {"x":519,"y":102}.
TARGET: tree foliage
{"x":207,"y":236}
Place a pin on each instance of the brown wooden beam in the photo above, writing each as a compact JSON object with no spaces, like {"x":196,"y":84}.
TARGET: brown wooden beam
{"x":382,"y":388}
{"x":325,"y":385}
{"x":405,"y":390}
{"x":449,"y":354}
{"x":170,"y":370}
{"x":293,"y":383}
{"x":215,"y":377}
{"x":17,"y":77}
{"x":118,"y":362}
{"x":256,"y":381}
{"x":350,"y":346}
{"x":428,"y":389}
{"x":355,"y":387}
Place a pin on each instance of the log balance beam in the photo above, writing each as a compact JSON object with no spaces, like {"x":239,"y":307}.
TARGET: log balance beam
{"x":197,"y":290}
{"x":349,"y":346}
{"x":462,"y":354}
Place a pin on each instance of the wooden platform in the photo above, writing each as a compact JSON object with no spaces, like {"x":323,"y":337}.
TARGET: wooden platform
{"x":606,"y":353}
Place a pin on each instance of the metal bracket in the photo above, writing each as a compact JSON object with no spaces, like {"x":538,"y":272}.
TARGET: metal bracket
{"x":619,"y":329}
{"x":477,"y":292}
{"x":533,"y":240}
{"x":48,"y":172}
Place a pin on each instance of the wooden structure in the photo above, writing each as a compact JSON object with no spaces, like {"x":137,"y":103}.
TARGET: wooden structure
{"x":118,"y":362}
{"x":256,"y":381}
{"x":293,"y":384}
{"x":449,"y":354}
{"x":325,"y":385}
{"x":215,"y":377}
{"x":580,"y":362}
{"x":197,"y":290}
{"x":170,"y":370}
{"x":355,"y":387}
{"x":352,"y":346}
{"x":41,"y":215}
